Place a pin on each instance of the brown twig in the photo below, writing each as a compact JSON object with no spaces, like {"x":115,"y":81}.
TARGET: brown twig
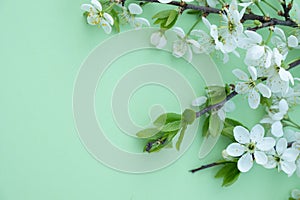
{"x":266,"y":21}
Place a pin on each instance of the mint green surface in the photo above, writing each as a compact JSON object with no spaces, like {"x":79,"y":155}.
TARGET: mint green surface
{"x":43,"y":44}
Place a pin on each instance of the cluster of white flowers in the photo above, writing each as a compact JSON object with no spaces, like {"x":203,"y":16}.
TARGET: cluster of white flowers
{"x":268,"y":82}
{"x":97,"y":16}
{"x":266,"y":151}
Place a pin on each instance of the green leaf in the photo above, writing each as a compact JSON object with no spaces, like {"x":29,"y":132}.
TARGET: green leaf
{"x":172,"y":17}
{"x":158,"y":143}
{"x":158,"y":21}
{"x":223,"y":171}
{"x":232,"y":122}
{"x":229,"y":172}
{"x":182,"y":132}
{"x":162,"y":14}
{"x":169,"y":146}
{"x":148,"y":132}
{"x":166,"y":118}
{"x":215,"y":124}
{"x":116,"y":19}
{"x":172,"y":126}
{"x":231,"y":177}
{"x":229,"y":126}
{"x":205,"y":127}
{"x":216,"y":94}
{"x":228,"y":132}
{"x":188,"y":116}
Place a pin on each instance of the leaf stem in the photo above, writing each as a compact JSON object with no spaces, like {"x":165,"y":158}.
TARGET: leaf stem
{"x":292,"y":123}
{"x":210,"y":165}
{"x":269,"y":37}
{"x":194,"y":25}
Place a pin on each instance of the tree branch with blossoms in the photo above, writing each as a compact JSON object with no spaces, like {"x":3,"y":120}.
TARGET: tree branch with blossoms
{"x":274,"y":142}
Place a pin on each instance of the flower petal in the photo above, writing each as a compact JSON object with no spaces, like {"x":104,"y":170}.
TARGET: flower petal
{"x":206,"y":22}
{"x":253,"y":99}
{"x":296,"y":194}
{"x":106,"y":26}
{"x":292,"y":41}
{"x":240,"y":75}
{"x":164,"y":1}
{"x":158,"y":39}
{"x":253,"y":72}
{"x":135,"y":9}
{"x":271,"y":163}
{"x":96,"y":4}
{"x":264,"y":90}
{"x":235,"y":149}
{"x":280,"y":33}
{"x":229,"y":106}
{"x":276,"y":129}
{"x":288,"y":167}
{"x":241,"y":135}
{"x":290,"y":155}
{"x":199,"y":101}
{"x":88,"y":8}
{"x":179,"y":48}
{"x":139,"y":22}
{"x":283,"y":106}
{"x":260,"y":158}
{"x":257,"y":133}
{"x":281,"y":146}
{"x":266,"y":144}
{"x":93,"y":20}
{"x":108,"y":18}
{"x":179,"y":31}
{"x":255,"y":52}
{"x":242,"y":88}
{"x":245,"y":163}
{"x":256,"y":38}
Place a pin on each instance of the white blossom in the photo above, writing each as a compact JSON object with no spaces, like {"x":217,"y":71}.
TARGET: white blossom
{"x":282,"y":157}
{"x":183,"y":45}
{"x":206,"y":42}
{"x":129,"y":16}
{"x":250,"y":87}
{"x":96,"y":16}
{"x":158,"y":39}
{"x":219,"y":42}
{"x":232,"y":27}
{"x":296,"y":194}
{"x":250,"y":145}
{"x":278,"y":77}
{"x":258,"y":54}
{"x":276,"y":113}
{"x":282,"y":43}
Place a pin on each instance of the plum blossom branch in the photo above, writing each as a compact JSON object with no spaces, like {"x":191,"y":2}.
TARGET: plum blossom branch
{"x":234,"y":93}
{"x":265,"y":20}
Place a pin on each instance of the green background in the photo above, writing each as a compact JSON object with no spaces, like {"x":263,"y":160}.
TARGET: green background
{"x":43,"y":44}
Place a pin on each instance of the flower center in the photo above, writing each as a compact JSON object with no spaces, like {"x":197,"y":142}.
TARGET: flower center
{"x":251,"y":147}
{"x":277,"y":159}
{"x":231,"y":26}
{"x":251,"y":83}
